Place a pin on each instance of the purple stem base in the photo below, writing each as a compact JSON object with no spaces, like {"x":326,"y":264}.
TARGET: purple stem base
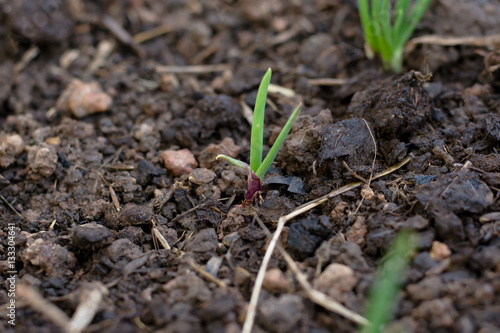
{"x":254,"y":186}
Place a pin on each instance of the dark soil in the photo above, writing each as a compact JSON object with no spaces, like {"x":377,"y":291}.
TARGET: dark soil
{"x":92,"y":174}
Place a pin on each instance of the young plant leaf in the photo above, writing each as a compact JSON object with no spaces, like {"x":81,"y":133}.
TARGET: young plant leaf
{"x":234,"y":161}
{"x":261,"y":171}
{"x":257,"y":140}
{"x":258,"y":168}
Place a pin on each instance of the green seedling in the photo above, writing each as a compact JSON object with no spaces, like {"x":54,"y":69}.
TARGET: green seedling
{"x":386,"y":33}
{"x":258,"y":167}
{"x":382,"y":298}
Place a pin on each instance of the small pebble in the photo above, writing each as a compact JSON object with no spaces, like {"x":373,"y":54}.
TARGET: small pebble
{"x":83,"y":99}
{"x":439,"y":251}
{"x":357,"y":231}
{"x":11,"y":146}
{"x":201,"y":176}
{"x":178,"y":162}
{"x":282,"y":314}
{"x":52,"y":259}
{"x":275,"y":281}
{"x":133,"y":214}
{"x":42,"y":159}
{"x":417,"y":222}
{"x":92,"y":236}
{"x":336,"y":280}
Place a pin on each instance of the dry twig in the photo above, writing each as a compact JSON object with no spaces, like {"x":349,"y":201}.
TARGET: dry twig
{"x":478,"y":41}
{"x":252,"y":307}
{"x":314,"y":295}
{"x":121,"y":34}
{"x":195,"y":69}
{"x":90,"y":301}
{"x":157,"y":234}
{"x":327,"y":82}
{"x":152,"y":33}
{"x":44,"y":307}
{"x":205,"y":274}
{"x":27,"y":57}
{"x":11,"y":207}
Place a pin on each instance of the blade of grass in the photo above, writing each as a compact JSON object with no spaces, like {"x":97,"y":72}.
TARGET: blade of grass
{"x":415,"y":16}
{"x":385,"y":21}
{"x":387,"y":283}
{"x":400,"y":10}
{"x":256,"y":140}
{"x":379,"y":11}
{"x":261,"y":171}
{"x":375,"y":24}
{"x":365,"y":17}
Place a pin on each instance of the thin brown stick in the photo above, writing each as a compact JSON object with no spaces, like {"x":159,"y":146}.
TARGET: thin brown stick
{"x":143,"y":36}
{"x":374,"y":153}
{"x":157,"y":234}
{"x":252,"y":307}
{"x":207,"y":52}
{"x":479,"y":41}
{"x":276,"y":89}
{"x":44,"y":307}
{"x":114,"y":198}
{"x":368,"y":183}
{"x":90,"y":300}
{"x":11,"y":207}
{"x":104,"y":50}
{"x":27,"y":57}
{"x":205,"y":274}
{"x":195,"y":69}
{"x":314,"y":295}
{"x":354,"y":174}
{"x":489,"y":40}
{"x":175,"y":219}
{"x":327,"y":82}
{"x":121,"y":34}
{"x":316,"y":202}
{"x":247,"y":112}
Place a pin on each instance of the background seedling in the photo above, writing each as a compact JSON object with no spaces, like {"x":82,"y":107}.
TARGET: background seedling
{"x":382,"y":298}
{"x":387,"y":32}
{"x":258,"y":168}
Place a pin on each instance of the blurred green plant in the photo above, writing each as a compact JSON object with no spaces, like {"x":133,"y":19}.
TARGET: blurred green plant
{"x":258,"y":168}
{"x":387,"y":34}
{"x":382,"y":299}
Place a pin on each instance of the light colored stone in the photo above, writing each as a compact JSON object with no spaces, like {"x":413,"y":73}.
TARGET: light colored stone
{"x":178,"y":162}
{"x":201,"y":176}
{"x":42,"y":159}
{"x":83,"y":99}
{"x":439,"y":251}
{"x":357,"y":232}
{"x":336,"y":279}
{"x":11,"y":145}
{"x":275,"y":281}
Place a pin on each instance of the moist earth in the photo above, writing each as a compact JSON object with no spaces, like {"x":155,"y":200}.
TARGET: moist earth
{"x":109,"y":182}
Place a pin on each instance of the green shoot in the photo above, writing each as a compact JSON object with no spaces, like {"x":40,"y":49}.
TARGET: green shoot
{"x":388,"y":35}
{"x":258,"y":168}
{"x":387,"y":283}
{"x":257,"y":137}
{"x":261,"y":171}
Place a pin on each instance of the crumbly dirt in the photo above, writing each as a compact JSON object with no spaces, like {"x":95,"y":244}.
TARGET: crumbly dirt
{"x":109,"y":179}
